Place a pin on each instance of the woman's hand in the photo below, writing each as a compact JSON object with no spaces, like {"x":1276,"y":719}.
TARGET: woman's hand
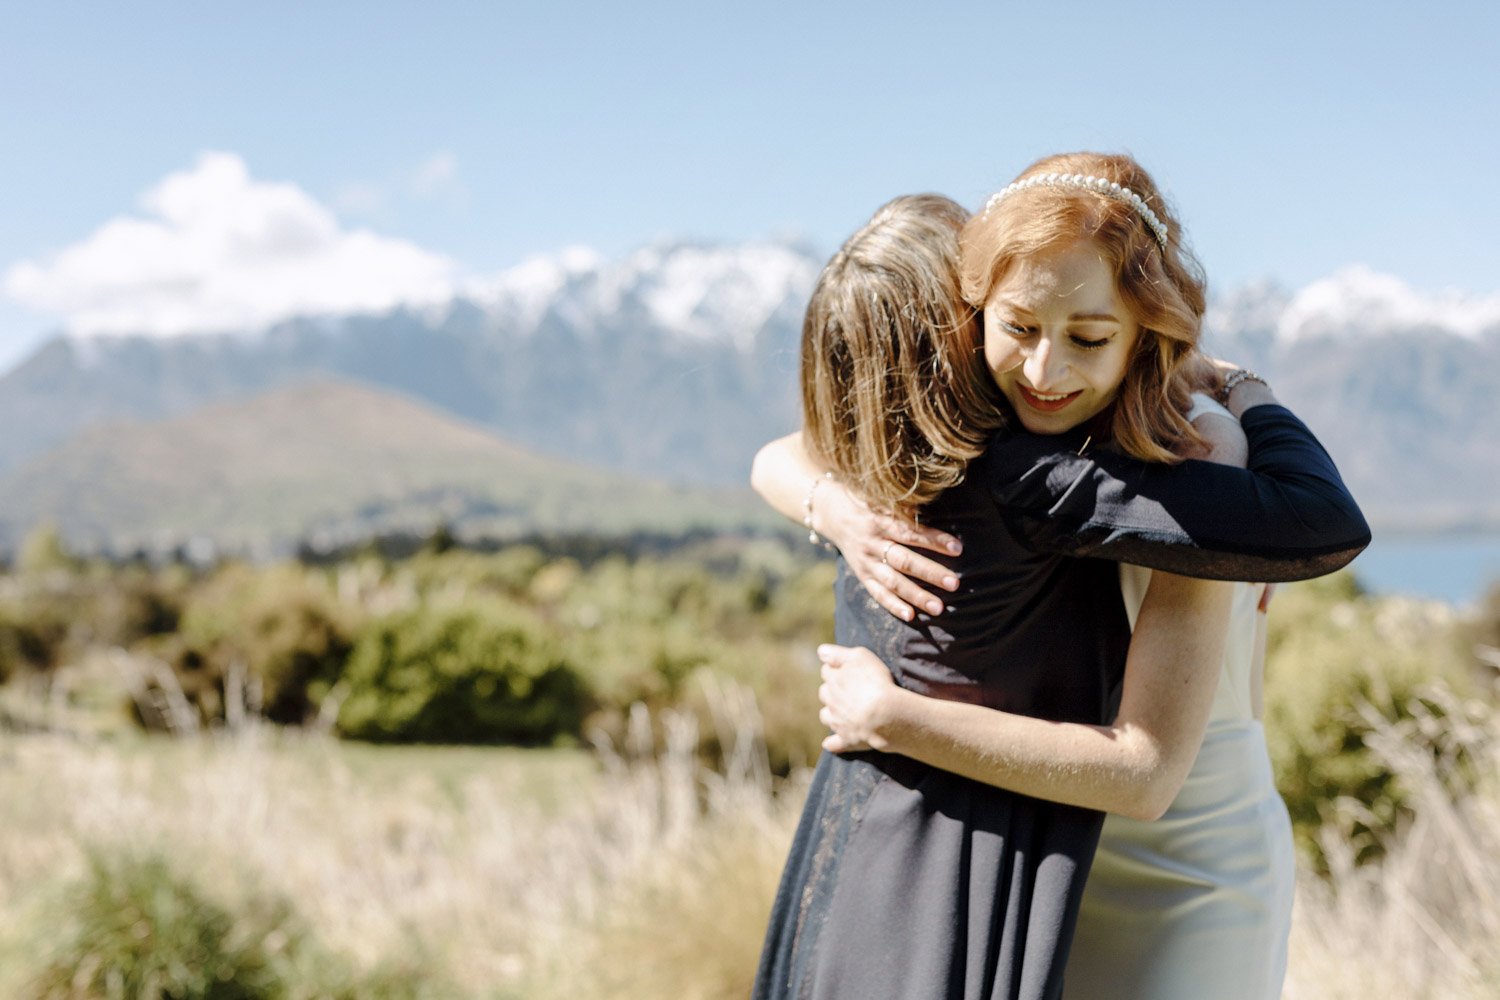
{"x":857,"y":695}
{"x":878,"y":549}
{"x":1247,"y":394}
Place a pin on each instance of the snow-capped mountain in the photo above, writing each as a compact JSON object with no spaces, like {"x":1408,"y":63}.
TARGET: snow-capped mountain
{"x":716,"y":294}
{"x":679,"y":359}
{"x":1402,"y":387}
{"x":1356,"y":302}
{"x":674,"y":361}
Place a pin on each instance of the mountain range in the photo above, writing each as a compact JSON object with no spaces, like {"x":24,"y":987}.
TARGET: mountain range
{"x":672,"y":364}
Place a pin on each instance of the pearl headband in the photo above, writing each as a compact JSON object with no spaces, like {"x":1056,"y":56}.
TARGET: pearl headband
{"x":1084,"y":182}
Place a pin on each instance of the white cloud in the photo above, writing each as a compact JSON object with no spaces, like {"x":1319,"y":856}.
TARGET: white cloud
{"x":215,"y":250}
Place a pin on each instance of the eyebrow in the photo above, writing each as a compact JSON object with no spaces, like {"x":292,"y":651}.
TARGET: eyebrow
{"x":1088,"y":317}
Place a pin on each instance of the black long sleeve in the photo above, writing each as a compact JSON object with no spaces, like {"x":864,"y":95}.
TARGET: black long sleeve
{"x":1286,"y":517}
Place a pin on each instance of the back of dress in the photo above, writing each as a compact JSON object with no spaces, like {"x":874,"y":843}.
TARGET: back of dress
{"x":906,"y":881}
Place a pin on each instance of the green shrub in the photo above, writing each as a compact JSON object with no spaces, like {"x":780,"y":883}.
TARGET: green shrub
{"x":1334,"y":656}
{"x":282,"y":624}
{"x":649,"y":629}
{"x":508,"y":572}
{"x":486,"y":673}
{"x":133,"y":927}
{"x":132,"y":603}
{"x":35,"y":632}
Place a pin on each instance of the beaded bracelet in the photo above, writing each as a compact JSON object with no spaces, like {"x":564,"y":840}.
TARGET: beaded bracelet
{"x":807,"y":511}
{"x":1234,"y":378}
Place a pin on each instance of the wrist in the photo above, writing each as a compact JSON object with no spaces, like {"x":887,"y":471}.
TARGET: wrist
{"x":1243,"y":389}
{"x":890,"y":719}
{"x":1247,"y":395}
{"x":810,"y":519}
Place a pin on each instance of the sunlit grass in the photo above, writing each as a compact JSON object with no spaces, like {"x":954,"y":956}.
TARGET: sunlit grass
{"x":633,"y":871}
{"x":505,"y":874}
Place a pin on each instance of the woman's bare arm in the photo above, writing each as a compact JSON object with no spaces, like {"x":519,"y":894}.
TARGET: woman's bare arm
{"x":1134,"y":766}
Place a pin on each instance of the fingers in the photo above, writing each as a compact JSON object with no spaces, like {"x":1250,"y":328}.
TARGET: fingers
{"x":887,"y":599}
{"x":918,"y":536}
{"x":904,"y":562}
{"x":908,"y":592}
{"x":834,"y":743}
{"x":887,"y":573}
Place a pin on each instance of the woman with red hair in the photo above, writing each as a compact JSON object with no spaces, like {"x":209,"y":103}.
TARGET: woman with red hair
{"x":948,"y":832}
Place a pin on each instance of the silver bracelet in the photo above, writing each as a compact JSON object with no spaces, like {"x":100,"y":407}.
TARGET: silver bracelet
{"x":807,"y":511}
{"x":1234,"y":378}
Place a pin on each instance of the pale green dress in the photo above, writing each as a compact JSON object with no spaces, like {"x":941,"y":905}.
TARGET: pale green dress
{"x":1198,"y":903}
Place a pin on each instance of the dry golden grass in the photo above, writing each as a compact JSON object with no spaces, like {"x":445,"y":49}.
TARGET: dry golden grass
{"x":638,"y":874}
{"x":1424,"y":920}
{"x":648,"y":867}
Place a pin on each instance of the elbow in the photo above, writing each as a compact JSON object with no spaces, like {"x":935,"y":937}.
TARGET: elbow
{"x":1149,"y":805}
{"x":1155,"y":789}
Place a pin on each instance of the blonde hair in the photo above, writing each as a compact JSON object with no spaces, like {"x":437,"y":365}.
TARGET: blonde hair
{"x":1161,"y":284}
{"x":896,"y":398}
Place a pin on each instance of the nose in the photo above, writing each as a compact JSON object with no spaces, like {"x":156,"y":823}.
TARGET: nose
{"x":1043,"y":369}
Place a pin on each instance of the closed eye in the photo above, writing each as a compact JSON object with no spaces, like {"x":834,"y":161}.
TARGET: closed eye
{"x":1017,"y":331}
{"x":1090,"y":345}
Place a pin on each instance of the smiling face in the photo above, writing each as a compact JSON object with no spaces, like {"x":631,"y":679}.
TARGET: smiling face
{"x":1058,"y":339}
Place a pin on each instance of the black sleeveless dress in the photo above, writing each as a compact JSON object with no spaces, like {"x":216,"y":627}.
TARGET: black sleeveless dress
{"x":907,"y":882}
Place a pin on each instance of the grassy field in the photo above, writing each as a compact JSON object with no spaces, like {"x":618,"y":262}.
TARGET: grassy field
{"x":240,"y":860}
{"x":632,"y":872}
{"x":468,"y":872}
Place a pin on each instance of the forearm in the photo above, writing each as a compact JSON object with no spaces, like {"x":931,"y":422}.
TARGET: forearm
{"x":1111,"y":768}
{"x":1134,"y":766}
{"x":782,"y":474}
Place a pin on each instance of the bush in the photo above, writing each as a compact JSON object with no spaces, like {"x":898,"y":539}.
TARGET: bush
{"x":282,"y":624}
{"x":1338,"y":663}
{"x":134,"y":928}
{"x":649,"y":629}
{"x":133,"y":603}
{"x":35,"y":633}
{"x":465,"y":674}
{"x":508,"y":572}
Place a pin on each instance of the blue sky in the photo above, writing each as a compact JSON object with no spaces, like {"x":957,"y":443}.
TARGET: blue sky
{"x":1294,"y":139}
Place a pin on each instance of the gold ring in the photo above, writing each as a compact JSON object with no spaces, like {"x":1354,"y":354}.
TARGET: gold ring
{"x":885,"y":554}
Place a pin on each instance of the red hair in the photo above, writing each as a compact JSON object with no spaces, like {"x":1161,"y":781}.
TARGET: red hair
{"x":1162,"y":286}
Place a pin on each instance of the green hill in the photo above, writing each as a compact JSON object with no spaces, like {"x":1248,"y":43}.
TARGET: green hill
{"x":329,"y":462}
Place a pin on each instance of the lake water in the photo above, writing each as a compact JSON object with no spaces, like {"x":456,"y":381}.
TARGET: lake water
{"x":1453,"y":568}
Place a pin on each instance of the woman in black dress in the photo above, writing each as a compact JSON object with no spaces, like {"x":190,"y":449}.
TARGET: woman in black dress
{"x":908,"y":881}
